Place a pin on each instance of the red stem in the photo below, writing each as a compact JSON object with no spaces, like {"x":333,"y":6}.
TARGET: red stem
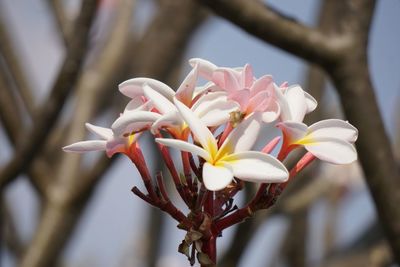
{"x":137,"y":158}
{"x":274,"y":191}
{"x":186,"y":169}
{"x":210,"y":244}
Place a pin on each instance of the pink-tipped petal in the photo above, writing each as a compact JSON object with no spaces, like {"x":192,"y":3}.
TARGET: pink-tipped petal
{"x":242,"y":97}
{"x":247,"y":77}
{"x":265,"y":83}
{"x":186,"y":89}
{"x":230,"y":79}
{"x":119,"y":145}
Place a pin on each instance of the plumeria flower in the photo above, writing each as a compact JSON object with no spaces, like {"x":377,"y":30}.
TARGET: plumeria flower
{"x":329,"y":140}
{"x":294,"y":102}
{"x":110,"y":143}
{"x":133,"y":88}
{"x":253,"y":95}
{"x":212,"y":108}
{"x":233,"y":158}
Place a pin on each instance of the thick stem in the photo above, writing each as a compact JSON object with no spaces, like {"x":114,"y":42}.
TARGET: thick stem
{"x":210,"y":244}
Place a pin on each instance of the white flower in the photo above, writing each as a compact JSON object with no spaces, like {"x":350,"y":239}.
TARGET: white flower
{"x":110,"y":143}
{"x":294,"y":103}
{"x":329,"y":140}
{"x":233,"y":158}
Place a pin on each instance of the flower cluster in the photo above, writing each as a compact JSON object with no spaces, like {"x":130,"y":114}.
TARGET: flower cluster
{"x":215,"y":126}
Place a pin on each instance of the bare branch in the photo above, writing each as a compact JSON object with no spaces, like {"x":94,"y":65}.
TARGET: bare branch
{"x":61,"y":19}
{"x":353,"y":82}
{"x":12,"y":119}
{"x":48,"y":114}
{"x":10,"y":115}
{"x":7,"y":50}
{"x":173,"y":24}
{"x":265,"y":23}
{"x":12,"y":238}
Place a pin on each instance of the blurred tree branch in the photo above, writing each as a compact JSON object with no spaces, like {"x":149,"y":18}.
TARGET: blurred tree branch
{"x":344,"y":57}
{"x":12,"y":118}
{"x":14,"y":65}
{"x":63,"y":25}
{"x":10,"y":235}
{"x":48,"y":114}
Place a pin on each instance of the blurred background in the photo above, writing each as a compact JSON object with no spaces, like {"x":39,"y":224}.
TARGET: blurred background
{"x":79,"y":211}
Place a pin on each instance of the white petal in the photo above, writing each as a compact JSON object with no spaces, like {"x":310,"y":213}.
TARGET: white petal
{"x":283,"y":104}
{"x":184,"y":146}
{"x":199,"y":130}
{"x":243,"y":137}
{"x":208,"y":87}
{"x":218,"y":113}
{"x":171,"y":119}
{"x":258,"y":167}
{"x":214,"y":109}
{"x":163,"y":104}
{"x":138,"y":103}
{"x":293,"y":131}
{"x":334,"y":128}
{"x":332,"y":150}
{"x":201,"y":105}
{"x":86,"y":146}
{"x":216,"y":177}
{"x":133,"y":121}
{"x":186,"y":89}
{"x":310,"y":102}
{"x":273,"y":112}
{"x":297,"y":102}
{"x":206,"y":68}
{"x":134,"y":87}
{"x":104,"y":133}
{"x":269,"y":116}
